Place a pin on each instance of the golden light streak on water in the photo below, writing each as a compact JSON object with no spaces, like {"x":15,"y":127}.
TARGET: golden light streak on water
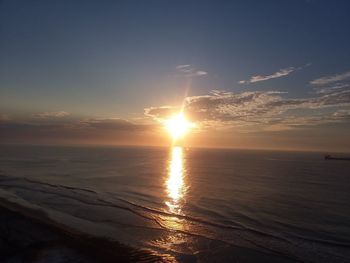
{"x":175,"y":183}
{"x":175,"y":189}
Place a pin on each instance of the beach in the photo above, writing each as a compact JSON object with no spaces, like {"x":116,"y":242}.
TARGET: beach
{"x":29,"y":239}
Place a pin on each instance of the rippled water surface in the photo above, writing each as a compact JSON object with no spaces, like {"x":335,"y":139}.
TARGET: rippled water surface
{"x":195,"y":204}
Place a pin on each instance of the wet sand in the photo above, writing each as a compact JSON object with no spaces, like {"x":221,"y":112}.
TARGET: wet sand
{"x":25,"y":239}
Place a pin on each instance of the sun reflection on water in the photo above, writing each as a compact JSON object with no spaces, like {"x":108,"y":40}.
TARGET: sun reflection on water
{"x":175,"y":183}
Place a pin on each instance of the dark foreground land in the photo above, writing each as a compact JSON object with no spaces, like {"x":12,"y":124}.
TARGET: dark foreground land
{"x":24,"y":239}
{"x":27,"y":240}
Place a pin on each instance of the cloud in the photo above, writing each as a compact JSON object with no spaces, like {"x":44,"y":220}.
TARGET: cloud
{"x":201,"y":73}
{"x":183,"y":66}
{"x":159,"y":113}
{"x":260,"y":108}
{"x":278,"y":74}
{"x":190,"y":71}
{"x":293,"y":122}
{"x":75,"y":130}
{"x":331,"y":79}
{"x":52,"y":114}
{"x":115,"y":124}
{"x":330,"y":89}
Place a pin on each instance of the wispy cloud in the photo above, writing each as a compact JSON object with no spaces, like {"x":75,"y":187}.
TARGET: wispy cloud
{"x":280,"y":73}
{"x":183,"y":66}
{"x":330,"y":89}
{"x":52,"y":114}
{"x":190,"y":71}
{"x":331,"y":79}
{"x":262,"y":108}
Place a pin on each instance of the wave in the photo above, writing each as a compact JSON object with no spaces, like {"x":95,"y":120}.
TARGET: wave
{"x":81,"y":231}
{"x":237,"y":234}
{"x":97,"y":201}
{"x":33,"y":231}
{"x":104,"y":202}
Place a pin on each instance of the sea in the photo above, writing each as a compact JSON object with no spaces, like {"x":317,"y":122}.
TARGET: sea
{"x":189,"y":204}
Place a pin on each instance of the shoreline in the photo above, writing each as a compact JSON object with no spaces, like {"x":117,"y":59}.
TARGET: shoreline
{"x":28,"y":239}
{"x":28,"y":234}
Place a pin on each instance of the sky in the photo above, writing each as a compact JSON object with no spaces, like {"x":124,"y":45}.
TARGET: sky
{"x":249,"y":74}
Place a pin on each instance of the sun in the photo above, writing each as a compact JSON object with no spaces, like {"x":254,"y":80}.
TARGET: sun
{"x":178,"y":126}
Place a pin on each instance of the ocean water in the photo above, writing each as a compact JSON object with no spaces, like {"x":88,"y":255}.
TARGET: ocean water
{"x":192,"y":205}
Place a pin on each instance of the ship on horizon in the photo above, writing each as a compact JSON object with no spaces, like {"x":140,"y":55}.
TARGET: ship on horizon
{"x":329,"y":157}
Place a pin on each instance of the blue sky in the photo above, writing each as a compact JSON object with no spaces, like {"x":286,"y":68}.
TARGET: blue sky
{"x":113,"y":59}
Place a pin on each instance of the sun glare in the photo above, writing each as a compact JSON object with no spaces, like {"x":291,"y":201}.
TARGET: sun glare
{"x":178,"y":126}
